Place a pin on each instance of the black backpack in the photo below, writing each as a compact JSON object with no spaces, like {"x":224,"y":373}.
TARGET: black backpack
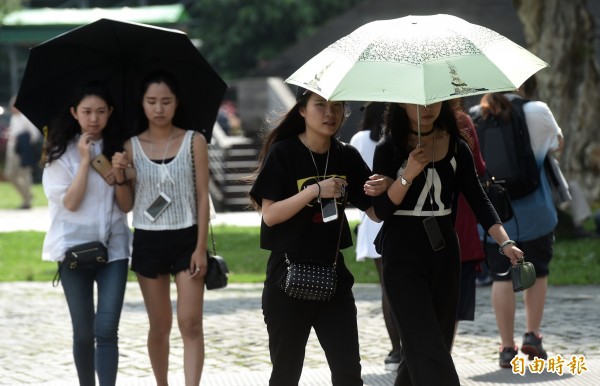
{"x":506,"y":150}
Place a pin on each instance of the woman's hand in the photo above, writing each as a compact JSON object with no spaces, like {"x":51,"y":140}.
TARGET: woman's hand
{"x":84,"y":145}
{"x":198,"y":264}
{"x":333,"y":187}
{"x":513,"y":253}
{"x":417,"y":160}
{"x":120,"y":162}
{"x":377,"y":184}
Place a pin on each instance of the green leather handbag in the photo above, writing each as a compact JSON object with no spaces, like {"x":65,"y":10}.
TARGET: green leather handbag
{"x":523,"y":275}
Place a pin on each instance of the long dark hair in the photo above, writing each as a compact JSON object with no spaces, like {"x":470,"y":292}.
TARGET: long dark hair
{"x":65,"y":127}
{"x":495,"y":105}
{"x":180,"y":119}
{"x":289,"y":125}
{"x":397,"y":125}
{"x":373,"y":119}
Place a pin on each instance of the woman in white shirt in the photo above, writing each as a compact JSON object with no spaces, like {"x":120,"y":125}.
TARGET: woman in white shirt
{"x":83,"y":208}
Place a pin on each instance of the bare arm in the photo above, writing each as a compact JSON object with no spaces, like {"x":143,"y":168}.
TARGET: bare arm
{"x":76,"y":192}
{"x":499,"y":235}
{"x":276,"y":212}
{"x":198,"y":263}
{"x":125,"y":188}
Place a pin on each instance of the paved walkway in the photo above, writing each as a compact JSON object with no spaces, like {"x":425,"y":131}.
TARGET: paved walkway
{"x":35,"y":336}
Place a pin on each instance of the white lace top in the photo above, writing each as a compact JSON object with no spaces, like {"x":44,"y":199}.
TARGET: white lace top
{"x":174,"y":179}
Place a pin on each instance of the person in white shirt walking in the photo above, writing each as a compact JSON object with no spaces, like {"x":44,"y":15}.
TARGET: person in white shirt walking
{"x":83,"y":209}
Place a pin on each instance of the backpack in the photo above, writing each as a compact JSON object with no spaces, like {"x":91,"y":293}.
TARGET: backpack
{"x":506,"y":150}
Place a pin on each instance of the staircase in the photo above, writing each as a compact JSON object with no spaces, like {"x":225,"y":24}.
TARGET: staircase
{"x":231,"y":160}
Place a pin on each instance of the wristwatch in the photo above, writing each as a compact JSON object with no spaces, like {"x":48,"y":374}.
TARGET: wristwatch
{"x":404,"y":181}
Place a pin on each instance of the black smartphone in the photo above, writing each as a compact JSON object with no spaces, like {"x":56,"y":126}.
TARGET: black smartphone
{"x":434,"y":233}
{"x":157,"y":207}
{"x":329,"y":209}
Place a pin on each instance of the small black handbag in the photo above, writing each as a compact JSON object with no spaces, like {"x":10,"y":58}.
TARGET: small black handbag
{"x":522,"y":275}
{"x":311,"y":280}
{"x":82,"y":256}
{"x":217,"y":272}
{"x":86,"y":255}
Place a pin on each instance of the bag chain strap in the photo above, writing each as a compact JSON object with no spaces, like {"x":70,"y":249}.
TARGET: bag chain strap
{"x":212,"y":237}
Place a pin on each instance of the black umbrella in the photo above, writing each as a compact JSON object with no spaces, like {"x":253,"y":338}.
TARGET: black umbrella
{"x":120,"y":54}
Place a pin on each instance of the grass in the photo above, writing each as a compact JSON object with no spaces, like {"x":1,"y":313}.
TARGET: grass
{"x":576,"y":261}
{"x":10,"y":199}
{"x":21,"y":256}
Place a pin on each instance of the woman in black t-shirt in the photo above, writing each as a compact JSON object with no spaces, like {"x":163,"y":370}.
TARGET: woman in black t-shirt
{"x":302,"y":164}
{"x":427,"y":156}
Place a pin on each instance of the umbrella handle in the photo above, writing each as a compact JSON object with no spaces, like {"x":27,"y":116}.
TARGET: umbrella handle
{"x":418,"y":126}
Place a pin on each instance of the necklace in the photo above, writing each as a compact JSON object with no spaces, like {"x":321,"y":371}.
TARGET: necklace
{"x":426,"y":175}
{"x":315,"y":164}
{"x":166,"y":147}
{"x":414,"y":132}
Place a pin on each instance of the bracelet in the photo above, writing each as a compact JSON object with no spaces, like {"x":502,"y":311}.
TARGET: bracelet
{"x":504,"y":244}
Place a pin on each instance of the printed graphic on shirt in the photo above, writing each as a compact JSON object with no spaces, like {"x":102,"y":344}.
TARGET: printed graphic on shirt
{"x":304,"y":183}
{"x":429,"y":201}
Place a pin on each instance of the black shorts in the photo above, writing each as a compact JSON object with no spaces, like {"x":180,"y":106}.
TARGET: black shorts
{"x":537,"y":251}
{"x":163,"y":252}
{"x":466,"y":298}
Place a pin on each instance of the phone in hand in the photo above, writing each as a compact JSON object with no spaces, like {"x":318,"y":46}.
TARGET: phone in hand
{"x":157,"y":207}
{"x":329,"y":209}
{"x":101,"y":164}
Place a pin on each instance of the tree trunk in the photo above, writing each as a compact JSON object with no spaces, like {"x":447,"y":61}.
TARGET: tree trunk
{"x":562,"y":33}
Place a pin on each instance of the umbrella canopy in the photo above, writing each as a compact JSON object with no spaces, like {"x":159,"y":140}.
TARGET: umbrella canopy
{"x":417,"y":59}
{"x":120,"y":54}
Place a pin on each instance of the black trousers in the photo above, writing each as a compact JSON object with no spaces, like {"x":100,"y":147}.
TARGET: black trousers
{"x":289,"y":322}
{"x":422,"y":287}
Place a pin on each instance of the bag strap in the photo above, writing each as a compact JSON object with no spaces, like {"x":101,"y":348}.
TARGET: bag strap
{"x":212,"y":236}
{"x":337,"y":248}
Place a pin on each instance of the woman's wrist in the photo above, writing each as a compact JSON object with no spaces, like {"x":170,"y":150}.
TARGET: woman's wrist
{"x":506,"y":244}
{"x":318,"y":196}
{"x":124,"y":180}
{"x":404,"y":180}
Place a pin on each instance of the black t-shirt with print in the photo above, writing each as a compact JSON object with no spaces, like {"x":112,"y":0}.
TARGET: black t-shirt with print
{"x":289,"y":168}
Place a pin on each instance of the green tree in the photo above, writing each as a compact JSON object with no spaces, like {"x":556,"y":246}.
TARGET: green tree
{"x":237,"y":35}
{"x":7,"y":6}
{"x":564,"y":33}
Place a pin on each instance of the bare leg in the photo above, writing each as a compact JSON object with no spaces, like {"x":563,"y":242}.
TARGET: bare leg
{"x":190,"y":304}
{"x":157,"y":298}
{"x":503,"y":300}
{"x":535,"y":298}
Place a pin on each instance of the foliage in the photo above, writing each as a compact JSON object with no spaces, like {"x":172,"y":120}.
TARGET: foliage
{"x":10,"y":198}
{"x":575,"y":261}
{"x":8,"y":6}
{"x":239,"y":35}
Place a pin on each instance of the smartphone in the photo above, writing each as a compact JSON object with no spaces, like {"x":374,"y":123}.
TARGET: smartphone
{"x":329,"y":209}
{"x":157,"y":207}
{"x":101,"y":164}
{"x":434,"y":233}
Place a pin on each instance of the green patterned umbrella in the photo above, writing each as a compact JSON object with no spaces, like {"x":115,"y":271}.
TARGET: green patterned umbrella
{"x":417,"y":59}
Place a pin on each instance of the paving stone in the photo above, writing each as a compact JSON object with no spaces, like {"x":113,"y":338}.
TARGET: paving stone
{"x":35,"y":345}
